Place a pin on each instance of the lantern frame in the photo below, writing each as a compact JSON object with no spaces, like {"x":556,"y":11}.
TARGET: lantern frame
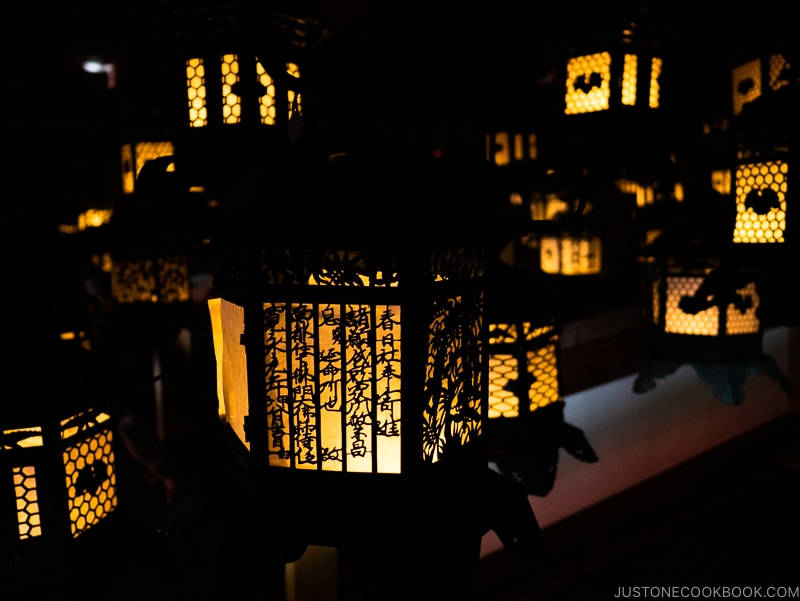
{"x":415,"y":310}
{"x":58,"y":455}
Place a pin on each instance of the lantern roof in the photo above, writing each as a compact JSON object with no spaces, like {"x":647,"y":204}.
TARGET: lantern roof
{"x":384,"y":197}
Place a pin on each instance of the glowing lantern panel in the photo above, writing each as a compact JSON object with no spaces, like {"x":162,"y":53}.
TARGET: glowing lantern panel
{"x":571,"y":255}
{"x":704,"y":311}
{"x":503,"y":148}
{"x":135,"y":156}
{"x":85,"y":444}
{"x":748,"y":83}
{"x":590,"y":83}
{"x":232,"y":74}
{"x":761,"y":193}
{"x":523,"y":371}
{"x":334,"y":371}
{"x":162,"y":280}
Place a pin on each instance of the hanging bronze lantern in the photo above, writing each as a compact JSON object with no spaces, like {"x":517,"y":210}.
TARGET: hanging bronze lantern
{"x":135,"y":154}
{"x":525,"y":425}
{"x":757,"y":79}
{"x":614,"y":75}
{"x":343,"y":350}
{"x":240,"y":82}
{"x":57,"y":453}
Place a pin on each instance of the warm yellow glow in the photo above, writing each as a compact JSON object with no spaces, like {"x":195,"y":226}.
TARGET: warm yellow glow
{"x":294,"y":71}
{"x":267,"y":106}
{"x":498,"y":148}
{"x":227,"y":327}
{"x":738,"y":322}
{"x":540,"y":360}
{"x":23,"y":437}
{"x":338,"y":408}
{"x":27,"y":502}
{"x":503,"y":369}
{"x":655,"y":86}
{"x":347,"y":268}
{"x":90,"y":481}
{"x":448,"y":395}
{"x":196,"y":92}
{"x":134,"y":158}
{"x":707,"y":322}
{"x":128,"y":170}
{"x":778,"y":68}
{"x":721,"y":181}
{"x":543,"y":368}
{"x":746,"y":82}
{"x":588,"y":83}
{"x":761,"y":190}
{"x":94,"y":218}
{"x":504,"y":147}
{"x":677,"y":192}
{"x":645,"y":195}
{"x":703,"y":323}
{"x":165,"y":280}
{"x":579,"y":255}
{"x":656,"y":305}
{"x":231,"y":102}
{"x":629,"y":83}
{"x":148,"y":151}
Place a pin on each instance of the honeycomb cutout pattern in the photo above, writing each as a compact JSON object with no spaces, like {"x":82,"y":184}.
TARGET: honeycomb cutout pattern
{"x":502,"y":402}
{"x":655,"y":87}
{"x":704,"y":323}
{"x":631,"y":64}
{"x":746,"y":80}
{"x":761,"y":202}
{"x":542,"y":366}
{"x":747,"y":322}
{"x":28,"y":516}
{"x":90,"y":481}
{"x":588,"y":83}
{"x":267,"y":106}
{"x":196,"y":92}
{"x":231,"y":102}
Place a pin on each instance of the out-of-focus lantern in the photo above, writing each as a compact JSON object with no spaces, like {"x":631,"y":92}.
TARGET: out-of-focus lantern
{"x":240,"y":85}
{"x":622,"y":75}
{"x":57,"y":456}
{"x":504,"y":148}
{"x":573,"y":245}
{"x":700,"y":308}
{"x":571,"y":254}
{"x":135,"y":154}
{"x":151,"y":239}
{"x":525,"y":425}
{"x":765,"y":127}
{"x":762,"y":192}
{"x":758,"y":78}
